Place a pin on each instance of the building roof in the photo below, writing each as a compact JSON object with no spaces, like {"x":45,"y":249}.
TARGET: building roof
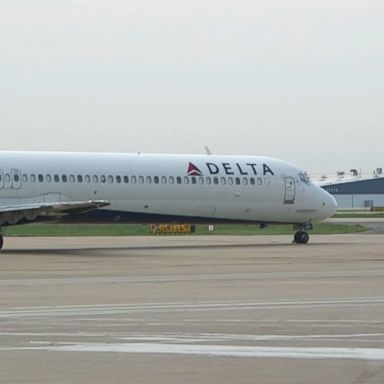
{"x":369,"y":186}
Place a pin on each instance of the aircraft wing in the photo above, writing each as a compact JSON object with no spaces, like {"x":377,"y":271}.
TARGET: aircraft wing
{"x":12,"y":214}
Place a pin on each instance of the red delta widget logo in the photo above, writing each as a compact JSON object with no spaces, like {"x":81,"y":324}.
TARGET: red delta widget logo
{"x":193,"y":170}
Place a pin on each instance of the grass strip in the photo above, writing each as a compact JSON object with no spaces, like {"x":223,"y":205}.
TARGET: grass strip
{"x":143,"y":230}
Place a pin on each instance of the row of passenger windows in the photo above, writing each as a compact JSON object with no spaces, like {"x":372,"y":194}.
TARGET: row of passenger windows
{"x":110,"y":179}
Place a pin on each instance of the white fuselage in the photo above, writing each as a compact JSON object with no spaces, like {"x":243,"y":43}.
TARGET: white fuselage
{"x":160,"y":188}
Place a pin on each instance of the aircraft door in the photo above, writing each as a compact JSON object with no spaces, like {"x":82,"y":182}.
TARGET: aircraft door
{"x":16,"y":179}
{"x":290,"y":190}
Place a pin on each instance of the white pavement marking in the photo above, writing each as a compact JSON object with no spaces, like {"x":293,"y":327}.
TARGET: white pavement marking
{"x":215,"y":350}
{"x":198,"y":337}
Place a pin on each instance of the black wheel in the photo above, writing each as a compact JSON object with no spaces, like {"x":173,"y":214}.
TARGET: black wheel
{"x":304,"y":237}
{"x":301,"y":237}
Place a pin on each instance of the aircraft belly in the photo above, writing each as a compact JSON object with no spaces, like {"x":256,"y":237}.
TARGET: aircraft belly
{"x":164,"y":207}
{"x":243,"y":211}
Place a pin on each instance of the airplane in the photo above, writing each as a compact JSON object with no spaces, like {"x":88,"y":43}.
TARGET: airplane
{"x":158,"y":188}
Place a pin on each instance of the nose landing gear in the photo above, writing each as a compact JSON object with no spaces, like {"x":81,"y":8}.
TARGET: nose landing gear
{"x":301,"y":237}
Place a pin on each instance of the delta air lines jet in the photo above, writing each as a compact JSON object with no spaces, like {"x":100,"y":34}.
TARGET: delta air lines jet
{"x":148,"y":188}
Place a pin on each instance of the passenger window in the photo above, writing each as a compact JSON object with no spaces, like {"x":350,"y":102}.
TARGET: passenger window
{"x":193,"y":180}
{"x":245,"y":181}
{"x":87,"y":178}
{"x":215,"y":180}
{"x":133,"y":179}
{"x":64,"y":178}
{"x":48,"y":178}
{"x":156,"y":179}
{"x":103,"y":179}
{"x":223,"y":181}
{"x":186,"y":180}
{"x":33,"y":178}
{"x":178,"y":179}
{"x":141,"y":179}
{"x":149,"y":180}
{"x":163,"y":180}
{"x":201,"y":180}
{"x":259,"y":181}
{"x":40,"y":178}
{"x":230,"y":181}
{"x":252,"y":180}
{"x":171,"y":180}
{"x":118,"y":179}
{"x":110,"y":179}
{"x":126,"y":179}
{"x":16,"y":177}
{"x":95,"y":179}
{"x":208,"y":180}
{"x":55,"y":177}
{"x":237,"y":180}
{"x":79,"y":178}
{"x":25,"y":177}
{"x":71,"y":178}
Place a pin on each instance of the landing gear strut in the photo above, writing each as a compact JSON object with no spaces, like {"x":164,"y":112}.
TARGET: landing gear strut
{"x":301,"y":237}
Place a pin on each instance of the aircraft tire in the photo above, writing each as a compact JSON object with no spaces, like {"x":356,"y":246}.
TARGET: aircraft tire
{"x":301,"y":237}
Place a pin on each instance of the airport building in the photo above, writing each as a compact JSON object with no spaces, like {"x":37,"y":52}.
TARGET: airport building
{"x":354,"y":191}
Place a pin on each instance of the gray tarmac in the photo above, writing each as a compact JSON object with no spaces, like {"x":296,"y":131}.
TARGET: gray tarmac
{"x":245,"y":309}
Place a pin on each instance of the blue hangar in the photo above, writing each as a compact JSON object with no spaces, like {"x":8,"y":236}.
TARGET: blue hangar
{"x":358,"y":193}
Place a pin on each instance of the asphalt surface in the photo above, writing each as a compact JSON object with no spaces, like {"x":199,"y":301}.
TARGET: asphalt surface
{"x":192,"y":310}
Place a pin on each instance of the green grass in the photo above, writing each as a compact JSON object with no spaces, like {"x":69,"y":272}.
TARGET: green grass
{"x":143,"y":230}
{"x":358,"y":215}
{"x":77,"y":230}
{"x":321,"y":228}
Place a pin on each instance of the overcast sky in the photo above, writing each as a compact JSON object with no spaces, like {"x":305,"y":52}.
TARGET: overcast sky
{"x":301,"y":80}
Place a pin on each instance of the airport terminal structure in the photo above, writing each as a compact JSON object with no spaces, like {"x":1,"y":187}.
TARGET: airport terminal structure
{"x":355,"y":191}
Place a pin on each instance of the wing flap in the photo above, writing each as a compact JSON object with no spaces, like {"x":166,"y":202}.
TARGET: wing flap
{"x":12,"y":214}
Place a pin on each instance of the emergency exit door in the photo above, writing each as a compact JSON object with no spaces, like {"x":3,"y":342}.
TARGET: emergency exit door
{"x":10,"y":180}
